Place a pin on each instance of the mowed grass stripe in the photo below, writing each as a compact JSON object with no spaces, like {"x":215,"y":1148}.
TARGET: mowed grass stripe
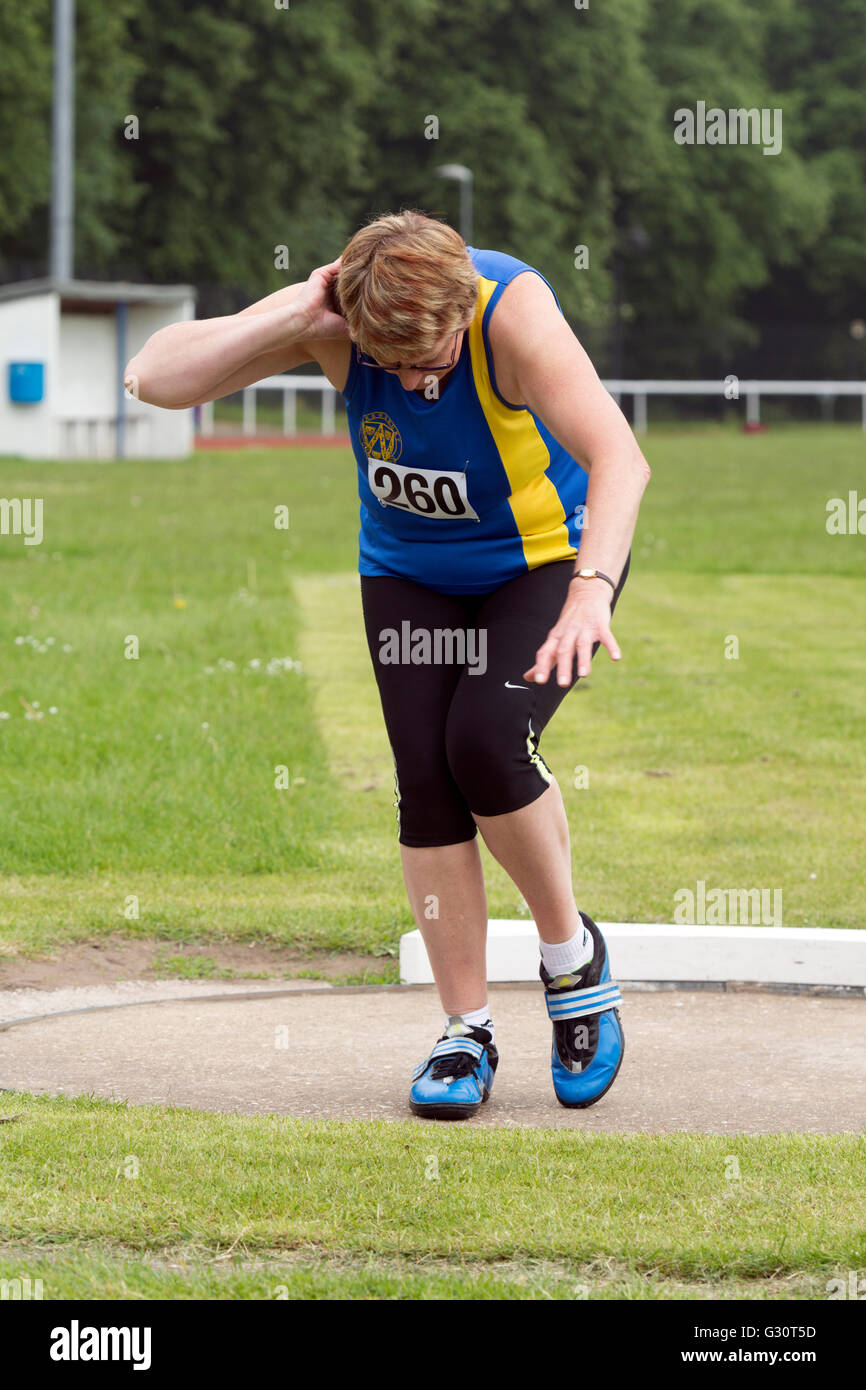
{"x":688,"y":777}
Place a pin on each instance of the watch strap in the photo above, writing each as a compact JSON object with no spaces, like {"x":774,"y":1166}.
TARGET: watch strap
{"x":593,"y":574}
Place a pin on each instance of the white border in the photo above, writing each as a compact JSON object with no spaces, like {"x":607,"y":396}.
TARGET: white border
{"x":661,"y":952}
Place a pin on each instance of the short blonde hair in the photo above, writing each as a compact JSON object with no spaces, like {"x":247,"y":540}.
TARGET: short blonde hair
{"x":406,"y":280}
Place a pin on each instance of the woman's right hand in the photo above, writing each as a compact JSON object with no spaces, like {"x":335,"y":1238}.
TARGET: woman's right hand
{"x":316,"y":303}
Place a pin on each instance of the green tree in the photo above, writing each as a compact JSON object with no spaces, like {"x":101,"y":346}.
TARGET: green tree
{"x":248,"y":140}
{"x":258,"y":128}
{"x":25,"y":97}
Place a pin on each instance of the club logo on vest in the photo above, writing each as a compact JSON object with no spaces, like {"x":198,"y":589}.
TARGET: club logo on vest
{"x":380,"y":437}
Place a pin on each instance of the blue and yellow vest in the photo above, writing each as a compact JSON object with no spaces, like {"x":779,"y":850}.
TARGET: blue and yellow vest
{"x":463,"y":492}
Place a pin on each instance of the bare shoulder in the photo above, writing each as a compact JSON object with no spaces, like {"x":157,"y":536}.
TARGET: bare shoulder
{"x":334,"y":356}
{"x":524,"y":321}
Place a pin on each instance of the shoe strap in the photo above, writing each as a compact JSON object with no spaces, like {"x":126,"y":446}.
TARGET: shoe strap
{"x":582,"y":1002}
{"x":449,"y":1047}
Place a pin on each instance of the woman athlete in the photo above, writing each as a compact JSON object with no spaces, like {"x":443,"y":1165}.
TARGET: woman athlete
{"x":499,"y":487}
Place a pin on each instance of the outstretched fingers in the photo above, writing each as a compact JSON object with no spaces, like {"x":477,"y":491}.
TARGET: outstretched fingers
{"x":574,"y":638}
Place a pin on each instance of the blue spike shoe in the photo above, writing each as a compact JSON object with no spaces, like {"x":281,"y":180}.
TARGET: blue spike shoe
{"x":455,"y":1080}
{"x":588,"y":1038}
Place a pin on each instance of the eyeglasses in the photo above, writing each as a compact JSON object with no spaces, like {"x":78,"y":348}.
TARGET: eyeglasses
{"x":367,"y":361}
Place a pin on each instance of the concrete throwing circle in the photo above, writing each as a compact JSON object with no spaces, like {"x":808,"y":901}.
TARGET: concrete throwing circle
{"x":711,"y":1062}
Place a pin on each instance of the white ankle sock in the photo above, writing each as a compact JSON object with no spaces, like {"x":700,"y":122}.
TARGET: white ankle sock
{"x":475,"y":1018}
{"x":563,"y":957}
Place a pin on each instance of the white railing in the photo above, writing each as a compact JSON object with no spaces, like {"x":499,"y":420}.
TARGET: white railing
{"x":730,"y":389}
{"x":87,"y":438}
{"x":733,"y":389}
{"x":289,"y":386}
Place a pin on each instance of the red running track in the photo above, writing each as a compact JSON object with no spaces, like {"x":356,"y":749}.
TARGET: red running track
{"x":269,"y":441}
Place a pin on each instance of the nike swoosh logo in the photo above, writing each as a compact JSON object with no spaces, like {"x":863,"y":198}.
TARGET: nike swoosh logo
{"x":509,"y":686}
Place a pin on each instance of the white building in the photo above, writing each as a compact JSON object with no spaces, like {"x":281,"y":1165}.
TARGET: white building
{"x":63,"y":348}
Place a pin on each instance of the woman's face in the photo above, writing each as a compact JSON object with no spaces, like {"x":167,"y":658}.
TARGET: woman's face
{"x":448,"y":349}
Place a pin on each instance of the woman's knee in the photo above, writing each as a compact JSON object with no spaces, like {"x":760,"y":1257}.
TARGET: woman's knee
{"x":496,"y":765}
{"x":431,"y":810}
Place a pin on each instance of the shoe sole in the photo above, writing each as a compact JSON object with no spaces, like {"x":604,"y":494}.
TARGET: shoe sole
{"x":585,"y":1104}
{"x":447,"y":1112}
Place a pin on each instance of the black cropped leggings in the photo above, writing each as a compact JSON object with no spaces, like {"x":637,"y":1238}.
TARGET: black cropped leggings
{"x":462,"y":722}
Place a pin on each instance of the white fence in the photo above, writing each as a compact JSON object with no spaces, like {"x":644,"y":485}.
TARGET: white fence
{"x":85,"y":438}
{"x":289,"y":386}
{"x":731,"y":389}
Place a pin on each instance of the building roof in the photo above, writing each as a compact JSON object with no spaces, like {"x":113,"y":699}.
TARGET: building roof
{"x":109,"y":291}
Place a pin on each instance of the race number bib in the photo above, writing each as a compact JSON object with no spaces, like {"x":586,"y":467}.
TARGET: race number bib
{"x":426,"y":492}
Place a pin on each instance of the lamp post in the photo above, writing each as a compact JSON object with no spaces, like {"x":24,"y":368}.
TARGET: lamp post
{"x":63,"y":141}
{"x":463,"y":176}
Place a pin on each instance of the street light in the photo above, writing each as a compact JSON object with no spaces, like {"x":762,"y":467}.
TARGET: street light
{"x":63,"y":141}
{"x":464,"y":177}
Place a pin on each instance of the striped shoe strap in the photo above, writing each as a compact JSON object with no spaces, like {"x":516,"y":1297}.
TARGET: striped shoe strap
{"x":449,"y":1047}
{"x":581,"y":1003}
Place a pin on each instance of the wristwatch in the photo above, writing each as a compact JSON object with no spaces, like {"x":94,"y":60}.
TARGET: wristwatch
{"x":593,"y":574}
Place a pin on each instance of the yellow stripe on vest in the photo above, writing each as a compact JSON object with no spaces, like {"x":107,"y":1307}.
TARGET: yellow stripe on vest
{"x":535,"y":502}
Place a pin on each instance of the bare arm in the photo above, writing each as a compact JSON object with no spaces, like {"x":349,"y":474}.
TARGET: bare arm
{"x":543,"y":362}
{"x":189,"y":363}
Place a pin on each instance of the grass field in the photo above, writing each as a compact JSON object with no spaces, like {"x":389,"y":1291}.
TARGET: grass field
{"x":155,"y":778}
{"x":101,"y":1200}
{"x":139,"y":797}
